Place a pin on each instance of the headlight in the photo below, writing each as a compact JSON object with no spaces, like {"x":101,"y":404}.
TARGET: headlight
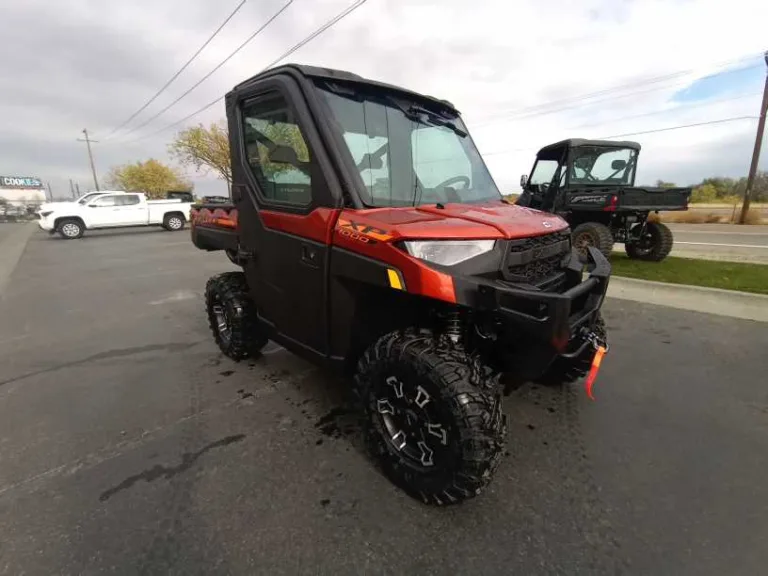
{"x":46,"y":213}
{"x":447,"y":252}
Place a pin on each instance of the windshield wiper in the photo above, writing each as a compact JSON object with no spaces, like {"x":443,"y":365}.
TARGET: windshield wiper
{"x":417,"y":114}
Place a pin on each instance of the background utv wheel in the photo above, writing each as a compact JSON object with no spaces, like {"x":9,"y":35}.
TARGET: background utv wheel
{"x":173,"y":222}
{"x":568,"y":370}
{"x":232,"y":316}
{"x":654,"y":245}
{"x":592,"y":234}
{"x":433,"y":415}
{"x":70,"y":229}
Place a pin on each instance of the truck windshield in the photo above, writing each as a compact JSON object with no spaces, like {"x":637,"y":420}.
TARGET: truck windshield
{"x":600,"y":165}
{"x":406,"y":154}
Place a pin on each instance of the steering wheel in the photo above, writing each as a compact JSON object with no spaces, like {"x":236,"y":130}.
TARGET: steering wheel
{"x":455,"y":179}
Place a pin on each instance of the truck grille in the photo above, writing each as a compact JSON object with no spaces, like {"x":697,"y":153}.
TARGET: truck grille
{"x":538,"y":261}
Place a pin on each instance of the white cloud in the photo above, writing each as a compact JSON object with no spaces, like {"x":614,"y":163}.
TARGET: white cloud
{"x":91,"y":63}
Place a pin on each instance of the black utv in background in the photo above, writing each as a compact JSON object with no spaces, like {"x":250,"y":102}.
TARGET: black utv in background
{"x":590,"y":183}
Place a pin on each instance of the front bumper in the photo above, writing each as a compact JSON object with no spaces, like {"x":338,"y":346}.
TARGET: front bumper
{"x":551,"y":317}
{"x":45,"y":224}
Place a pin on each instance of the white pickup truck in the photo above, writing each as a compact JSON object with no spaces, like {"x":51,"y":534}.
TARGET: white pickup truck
{"x":112,"y":210}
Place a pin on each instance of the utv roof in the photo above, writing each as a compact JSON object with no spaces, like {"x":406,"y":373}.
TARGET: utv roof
{"x":342,"y":76}
{"x":574,"y":142}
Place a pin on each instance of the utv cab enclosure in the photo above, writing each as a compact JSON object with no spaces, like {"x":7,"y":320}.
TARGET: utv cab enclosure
{"x":590,"y":183}
{"x":371,"y":238}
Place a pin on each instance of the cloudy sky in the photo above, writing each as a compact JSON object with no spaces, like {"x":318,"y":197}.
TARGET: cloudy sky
{"x":523,"y":72}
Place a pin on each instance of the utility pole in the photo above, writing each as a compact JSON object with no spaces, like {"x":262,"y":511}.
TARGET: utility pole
{"x":756,"y":151}
{"x":90,"y":156}
{"x":71,"y":189}
{"x":77,"y":189}
{"x":50,"y":194}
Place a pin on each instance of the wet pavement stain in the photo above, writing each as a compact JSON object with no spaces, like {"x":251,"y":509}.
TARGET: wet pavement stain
{"x":160,"y":471}
{"x":340,"y":421}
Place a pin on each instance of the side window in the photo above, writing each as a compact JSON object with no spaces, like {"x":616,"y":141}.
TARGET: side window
{"x":105,"y":201}
{"x":127,"y":200}
{"x":276,"y":150}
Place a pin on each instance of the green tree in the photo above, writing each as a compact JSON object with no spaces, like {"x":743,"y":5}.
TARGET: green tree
{"x":151,"y":177}
{"x":205,"y":149}
{"x":662,"y":184}
{"x":704,"y":193}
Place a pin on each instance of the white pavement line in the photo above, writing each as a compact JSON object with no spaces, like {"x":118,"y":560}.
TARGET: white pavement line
{"x":696,"y":298}
{"x":11,"y":250}
{"x":684,"y":231}
{"x":725,"y":245}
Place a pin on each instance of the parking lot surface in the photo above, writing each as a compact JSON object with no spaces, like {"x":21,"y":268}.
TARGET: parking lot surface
{"x":129,"y":445}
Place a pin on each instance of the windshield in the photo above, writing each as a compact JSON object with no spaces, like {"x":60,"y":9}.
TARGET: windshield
{"x":407,"y":155}
{"x":599,"y":165}
{"x":543,"y":172}
{"x":87,"y":197}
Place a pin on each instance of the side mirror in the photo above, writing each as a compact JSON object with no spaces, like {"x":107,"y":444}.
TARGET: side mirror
{"x":523,"y":180}
{"x":618,"y":164}
{"x":283,"y":155}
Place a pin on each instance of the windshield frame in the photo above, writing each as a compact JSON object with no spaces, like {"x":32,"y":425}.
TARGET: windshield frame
{"x":433,"y":113}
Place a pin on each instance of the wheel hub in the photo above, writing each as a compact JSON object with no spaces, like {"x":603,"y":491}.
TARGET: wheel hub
{"x":70,"y":230}
{"x":410,"y":423}
{"x":222,"y":321}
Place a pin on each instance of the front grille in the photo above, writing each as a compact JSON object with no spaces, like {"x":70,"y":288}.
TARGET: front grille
{"x":538,"y":261}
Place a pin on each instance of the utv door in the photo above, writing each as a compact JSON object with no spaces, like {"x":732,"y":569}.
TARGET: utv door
{"x":285,"y":210}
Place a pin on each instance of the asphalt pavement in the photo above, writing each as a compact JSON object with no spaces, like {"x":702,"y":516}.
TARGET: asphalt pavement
{"x":129,"y":445}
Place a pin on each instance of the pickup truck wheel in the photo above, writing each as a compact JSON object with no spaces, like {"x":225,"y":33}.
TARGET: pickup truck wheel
{"x":173,"y":222}
{"x":592,"y":234}
{"x":232,"y":316}
{"x":568,"y":370}
{"x":434,"y":419}
{"x":654,"y":245}
{"x":70,"y":229}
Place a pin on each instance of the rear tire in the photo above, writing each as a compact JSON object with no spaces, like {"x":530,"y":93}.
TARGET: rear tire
{"x":173,"y":222}
{"x":654,"y":246}
{"x":434,"y":418}
{"x":70,"y":229}
{"x":568,"y":370}
{"x":232,"y":316}
{"x":592,"y":234}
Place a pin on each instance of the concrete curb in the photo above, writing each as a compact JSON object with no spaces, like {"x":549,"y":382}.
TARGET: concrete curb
{"x":710,"y":300}
{"x":11,"y":250}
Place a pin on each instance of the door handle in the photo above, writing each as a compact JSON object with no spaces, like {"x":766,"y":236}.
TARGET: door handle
{"x":309,"y":255}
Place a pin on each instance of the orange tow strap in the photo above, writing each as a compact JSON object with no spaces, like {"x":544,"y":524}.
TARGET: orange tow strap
{"x":594,"y":370}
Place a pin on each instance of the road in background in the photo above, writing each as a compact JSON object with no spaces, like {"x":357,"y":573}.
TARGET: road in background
{"x":719,"y":242}
{"x":130,"y":445}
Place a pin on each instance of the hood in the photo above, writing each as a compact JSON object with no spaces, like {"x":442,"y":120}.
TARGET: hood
{"x":492,"y":220}
{"x":51,"y":205}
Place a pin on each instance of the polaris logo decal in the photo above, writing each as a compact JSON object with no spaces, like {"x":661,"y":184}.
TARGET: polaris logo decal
{"x":547,"y":224}
{"x":589,"y":199}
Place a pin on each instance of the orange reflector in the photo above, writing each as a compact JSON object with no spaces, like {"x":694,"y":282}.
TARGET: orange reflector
{"x":594,"y":370}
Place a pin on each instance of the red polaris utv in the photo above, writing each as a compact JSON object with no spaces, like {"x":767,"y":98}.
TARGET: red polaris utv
{"x":372,"y":239}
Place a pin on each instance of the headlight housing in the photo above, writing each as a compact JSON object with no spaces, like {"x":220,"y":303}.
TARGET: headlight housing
{"x":447,"y":252}
{"x":46,"y":213}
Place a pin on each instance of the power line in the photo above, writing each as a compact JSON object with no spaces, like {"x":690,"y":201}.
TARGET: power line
{"x":219,"y":65}
{"x":680,"y":127}
{"x":546,"y":108}
{"x":721,"y":121}
{"x":330,"y":23}
{"x":666,"y":111}
{"x":179,"y":71}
